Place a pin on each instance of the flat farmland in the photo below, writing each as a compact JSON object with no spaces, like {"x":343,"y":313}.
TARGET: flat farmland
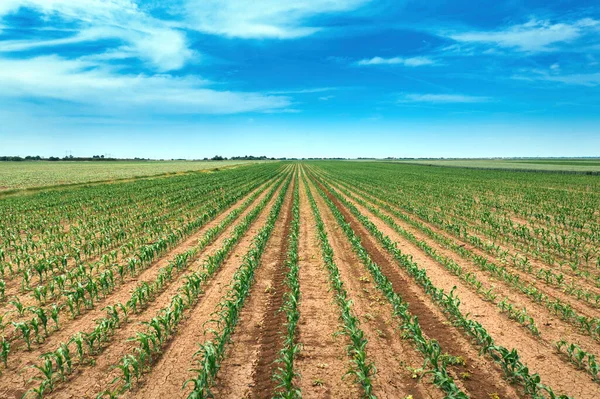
{"x":566,"y":165}
{"x":313,"y":279}
{"x":32,"y":174}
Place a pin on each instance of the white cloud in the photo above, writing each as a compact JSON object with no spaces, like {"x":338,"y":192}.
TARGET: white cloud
{"x":304,"y":91}
{"x":533,"y":36}
{"x":261,"y":19}
{"x":441,"y":98}
{"x":578,"y":79}
{"x":152,"y":40}
{"x":103,"y":90}
{"x":410,"y":61}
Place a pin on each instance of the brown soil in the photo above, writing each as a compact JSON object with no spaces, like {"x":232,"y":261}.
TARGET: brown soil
{"x":485,"y":378}
{"x":541,"y":357}
{"x":391,"y":355}
{"x":551,"y":327}
{"x":322,"y":362}
{"x":248,"y":366}
{"x":552,"y":292}
{"x":172,"y":369}
{"x":19,"y":370}
{"x":149,"y":273}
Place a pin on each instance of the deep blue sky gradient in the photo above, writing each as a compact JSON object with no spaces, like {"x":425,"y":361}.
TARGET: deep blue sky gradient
{"x":194,"y":78}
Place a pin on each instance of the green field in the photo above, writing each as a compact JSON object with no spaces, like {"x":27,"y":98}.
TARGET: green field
{"x":22,"y":175}
{"x":543,"y":164}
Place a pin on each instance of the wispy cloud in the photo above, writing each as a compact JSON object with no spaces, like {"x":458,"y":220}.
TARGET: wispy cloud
{"x":440,"y":98}
{"x":261,"y":19}
{"x":156,"y":42}
{"x":409,"y":61}
{"x":533,"y":36}
{"x":103,"y":90}
{"x":304,"y":91}
{"x":555,"y":75}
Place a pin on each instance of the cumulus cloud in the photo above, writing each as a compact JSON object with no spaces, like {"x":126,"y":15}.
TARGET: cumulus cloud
{"x":440,"y":98}
{"x":533,"y":36}
{"x":409,"y":62}
{"x":104,"y":90}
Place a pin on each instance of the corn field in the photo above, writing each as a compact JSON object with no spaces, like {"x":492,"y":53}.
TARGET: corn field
{"x":313,"y":279}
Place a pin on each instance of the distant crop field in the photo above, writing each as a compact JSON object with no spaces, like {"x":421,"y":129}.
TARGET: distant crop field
{"x":559,"y":165}
{"x":20,"y":175}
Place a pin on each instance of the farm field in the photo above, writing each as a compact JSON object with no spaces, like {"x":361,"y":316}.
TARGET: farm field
{"x":581,"y":165}
{"x":314,"y":279}
{"x":31,"y":174}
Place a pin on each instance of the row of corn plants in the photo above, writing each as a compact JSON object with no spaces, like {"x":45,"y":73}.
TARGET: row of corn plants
{"x":429,"y":348}
{"x":92,"y":291}
{"x":62,"y":273}
{"x":81,"y":286}
{"x":285,"y":373}
{"x":211,"y":352}
{"x":508,"y":360}
{"x":458,"y":200}
{"x":89,"y":345}
{"x":151,"y":221}
{"x":588,"y":325}
{"x":580,"y":358}
{"x":362,"y":369}
{"x":449,"y":264}
{"x":567,"y":285}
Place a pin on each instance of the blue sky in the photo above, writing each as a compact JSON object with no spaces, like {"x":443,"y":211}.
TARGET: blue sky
{"x":195,"y":78}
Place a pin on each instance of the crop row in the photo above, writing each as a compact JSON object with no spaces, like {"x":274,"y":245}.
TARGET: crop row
{"x":88,"y":345}
{"x":509,"y":360}
{"x":212,"y":351}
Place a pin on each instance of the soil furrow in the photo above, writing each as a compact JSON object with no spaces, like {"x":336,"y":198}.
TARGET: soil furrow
{"x":127,"y":281}
{"x":484,"y":378}
{"x":551,"y":327}
{"x":551,"y":291}
{"x":247,"y":368}
{"x":541,"y":358}
{"x":322,"y":362}
{"x":394,"y":358}
{"x":19,"y":370}
{"x":101,"y":372}
{"x":172,"y":368}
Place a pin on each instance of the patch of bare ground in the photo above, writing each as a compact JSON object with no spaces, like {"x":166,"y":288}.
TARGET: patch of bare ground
{"x":540,"y":356}
{"x":484,"y":377}
{"x":248,"y":366}
{"x":393,"y":357}
{"x":15,"y":378}
{"x":172,"y":369}
{"x":323,"y":360}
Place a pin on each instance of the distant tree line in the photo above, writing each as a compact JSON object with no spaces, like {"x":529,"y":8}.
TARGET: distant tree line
{"x":244,"y":158}
{"x":66,"y":158}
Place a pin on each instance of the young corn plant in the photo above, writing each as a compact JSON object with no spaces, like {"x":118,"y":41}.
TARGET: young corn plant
{"x":508,"y":359}
{"x":410,"y":325}
{"x":285,"y":373}
{"x":363,"y":369}
{"x":211,"y":352}
{"x":164,"y":324}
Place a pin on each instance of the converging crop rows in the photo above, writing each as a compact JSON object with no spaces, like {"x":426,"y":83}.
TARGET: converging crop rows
{"x":314,"y":279}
